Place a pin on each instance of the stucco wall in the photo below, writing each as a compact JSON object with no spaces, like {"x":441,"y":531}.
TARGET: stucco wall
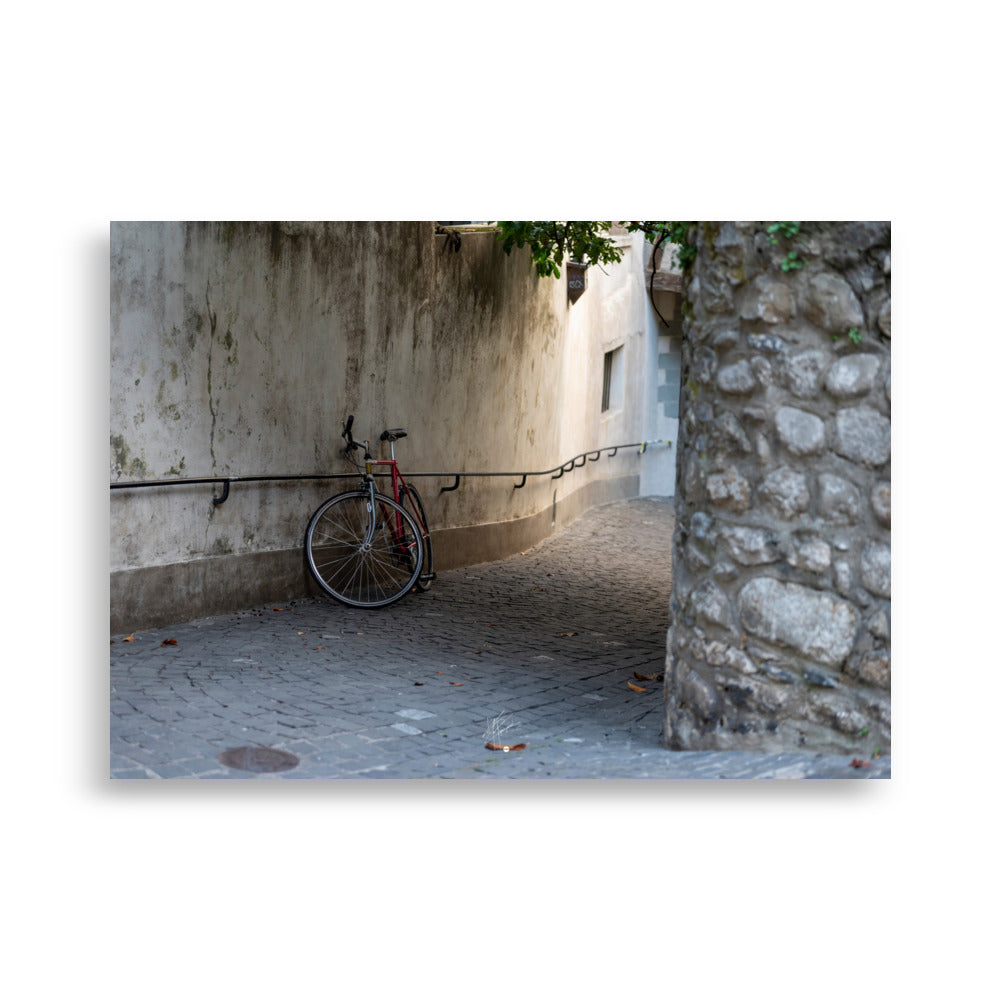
{"x":239,"y":348}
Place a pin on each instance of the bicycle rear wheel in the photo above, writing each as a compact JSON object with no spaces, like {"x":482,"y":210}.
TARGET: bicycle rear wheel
{"x":357,"y":572}
{"x":410,"y":500}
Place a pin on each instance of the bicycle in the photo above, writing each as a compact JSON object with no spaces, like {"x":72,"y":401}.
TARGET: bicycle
{"x":365,"y":548}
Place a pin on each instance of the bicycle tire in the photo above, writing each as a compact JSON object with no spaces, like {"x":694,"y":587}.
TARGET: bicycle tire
{"x":426,"y":577}
{"x":344,"y":568}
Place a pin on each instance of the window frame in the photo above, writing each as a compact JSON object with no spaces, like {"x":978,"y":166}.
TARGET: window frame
{"x":613,"y":382}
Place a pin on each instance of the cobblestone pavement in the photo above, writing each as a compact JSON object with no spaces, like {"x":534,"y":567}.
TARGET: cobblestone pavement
{"x":537,"y":649}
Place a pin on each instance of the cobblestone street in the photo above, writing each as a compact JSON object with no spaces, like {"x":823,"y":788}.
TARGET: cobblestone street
{"x":559,"y":648}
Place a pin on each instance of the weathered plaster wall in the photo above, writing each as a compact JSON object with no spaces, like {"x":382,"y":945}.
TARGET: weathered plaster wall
{"x":781,"y":604}
{"x":239,"y":348}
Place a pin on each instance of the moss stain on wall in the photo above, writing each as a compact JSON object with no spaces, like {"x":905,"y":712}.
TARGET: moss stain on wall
{"x":123,"y":464}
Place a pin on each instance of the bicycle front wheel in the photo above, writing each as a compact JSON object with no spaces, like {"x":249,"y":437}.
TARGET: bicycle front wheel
{"x":363,"y":571}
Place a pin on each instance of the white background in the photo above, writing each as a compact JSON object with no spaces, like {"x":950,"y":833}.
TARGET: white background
{"x":446,"y":110}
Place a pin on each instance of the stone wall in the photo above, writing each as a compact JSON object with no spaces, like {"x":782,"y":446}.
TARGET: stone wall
{"x":781,"y":606}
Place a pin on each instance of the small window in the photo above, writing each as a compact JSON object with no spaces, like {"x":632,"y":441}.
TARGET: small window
{"x":611,"y":395}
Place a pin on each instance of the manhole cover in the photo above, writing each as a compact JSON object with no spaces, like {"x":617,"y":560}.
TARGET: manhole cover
{"x":260,"y":759}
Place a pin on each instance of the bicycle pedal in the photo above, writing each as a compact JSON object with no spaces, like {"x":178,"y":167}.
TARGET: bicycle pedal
{"x":428,"y":576}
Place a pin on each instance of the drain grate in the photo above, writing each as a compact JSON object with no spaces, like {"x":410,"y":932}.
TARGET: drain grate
{"x":260,"y":759}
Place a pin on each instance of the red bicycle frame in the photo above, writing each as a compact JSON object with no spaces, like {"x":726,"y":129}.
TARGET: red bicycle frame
{"x":397,"y":482}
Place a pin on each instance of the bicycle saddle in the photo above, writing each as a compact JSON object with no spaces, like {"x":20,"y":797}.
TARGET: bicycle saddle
{"x":393,"y":435}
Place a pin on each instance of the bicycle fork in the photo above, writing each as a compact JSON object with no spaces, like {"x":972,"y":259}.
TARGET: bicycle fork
{"x":366,"y":545}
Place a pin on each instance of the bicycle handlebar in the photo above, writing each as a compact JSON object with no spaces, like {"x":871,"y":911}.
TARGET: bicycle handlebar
{"x":347,"y":436}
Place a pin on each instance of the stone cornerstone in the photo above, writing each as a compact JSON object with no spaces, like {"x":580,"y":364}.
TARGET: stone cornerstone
{"x":780,"y":635}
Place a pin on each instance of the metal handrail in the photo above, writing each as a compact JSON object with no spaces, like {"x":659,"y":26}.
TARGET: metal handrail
{"x":576,"y":462}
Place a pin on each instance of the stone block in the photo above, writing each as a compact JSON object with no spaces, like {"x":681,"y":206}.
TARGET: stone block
{"x":885,"y":319}
{"x":812,"y":555}
{"x":769,"y":301}
{"x":839,"y":499}
{"x":703,"y":365}
{"x":696,"y":559}
{"x":863,"y":435}
{"x":723,"y":569}
{"x":811,"y":622}
{"x":727,"y":434}
{"x":739,"y":661}
{"x":725,"y":338}
{"x":881,"y":500}
{"x":716,"y":293}
{"x":701,"y":524}
{"x":786,"y":492}
{"x":730,"y":245}
{"x":701,"y":695}
{"x":715,"y":654}
{"x":803,"y":373}
{"x":852,"y":376}
{"x":841,"y":714}
{"x":876,"y":569}
{"x":763,"y":370}
{"x":875,"y":669}
{"x":800,"y":432}
{"x":729,"y":490}
{"x":750,"y":546}
{"x":710,"y":604}
{"x":831,"y":304}
{"x":737,"y":379}
{"x":878,"y":624}
{"x":770,"y":343}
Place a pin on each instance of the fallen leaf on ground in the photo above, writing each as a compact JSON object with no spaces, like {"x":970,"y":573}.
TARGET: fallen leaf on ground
{"x":505,"y":746}
{"x":169,"y":642}
{"x":279,"y":609}
{"x":129,"y":638}
{"x":857,"y":762}
{"x":634,"y":687}
{"x":646,"y":677}
{"x":457,"y":684}
{"x":419,"y":684}
{"x":567,"y":633}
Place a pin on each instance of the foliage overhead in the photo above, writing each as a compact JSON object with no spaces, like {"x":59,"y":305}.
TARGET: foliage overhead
{"x":551,"y":243}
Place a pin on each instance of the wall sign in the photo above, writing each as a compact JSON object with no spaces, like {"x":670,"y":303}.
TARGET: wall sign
{"x":576,"y":280}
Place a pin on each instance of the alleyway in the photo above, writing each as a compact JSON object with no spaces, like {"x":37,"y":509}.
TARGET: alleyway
{"x":559,"y":649}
